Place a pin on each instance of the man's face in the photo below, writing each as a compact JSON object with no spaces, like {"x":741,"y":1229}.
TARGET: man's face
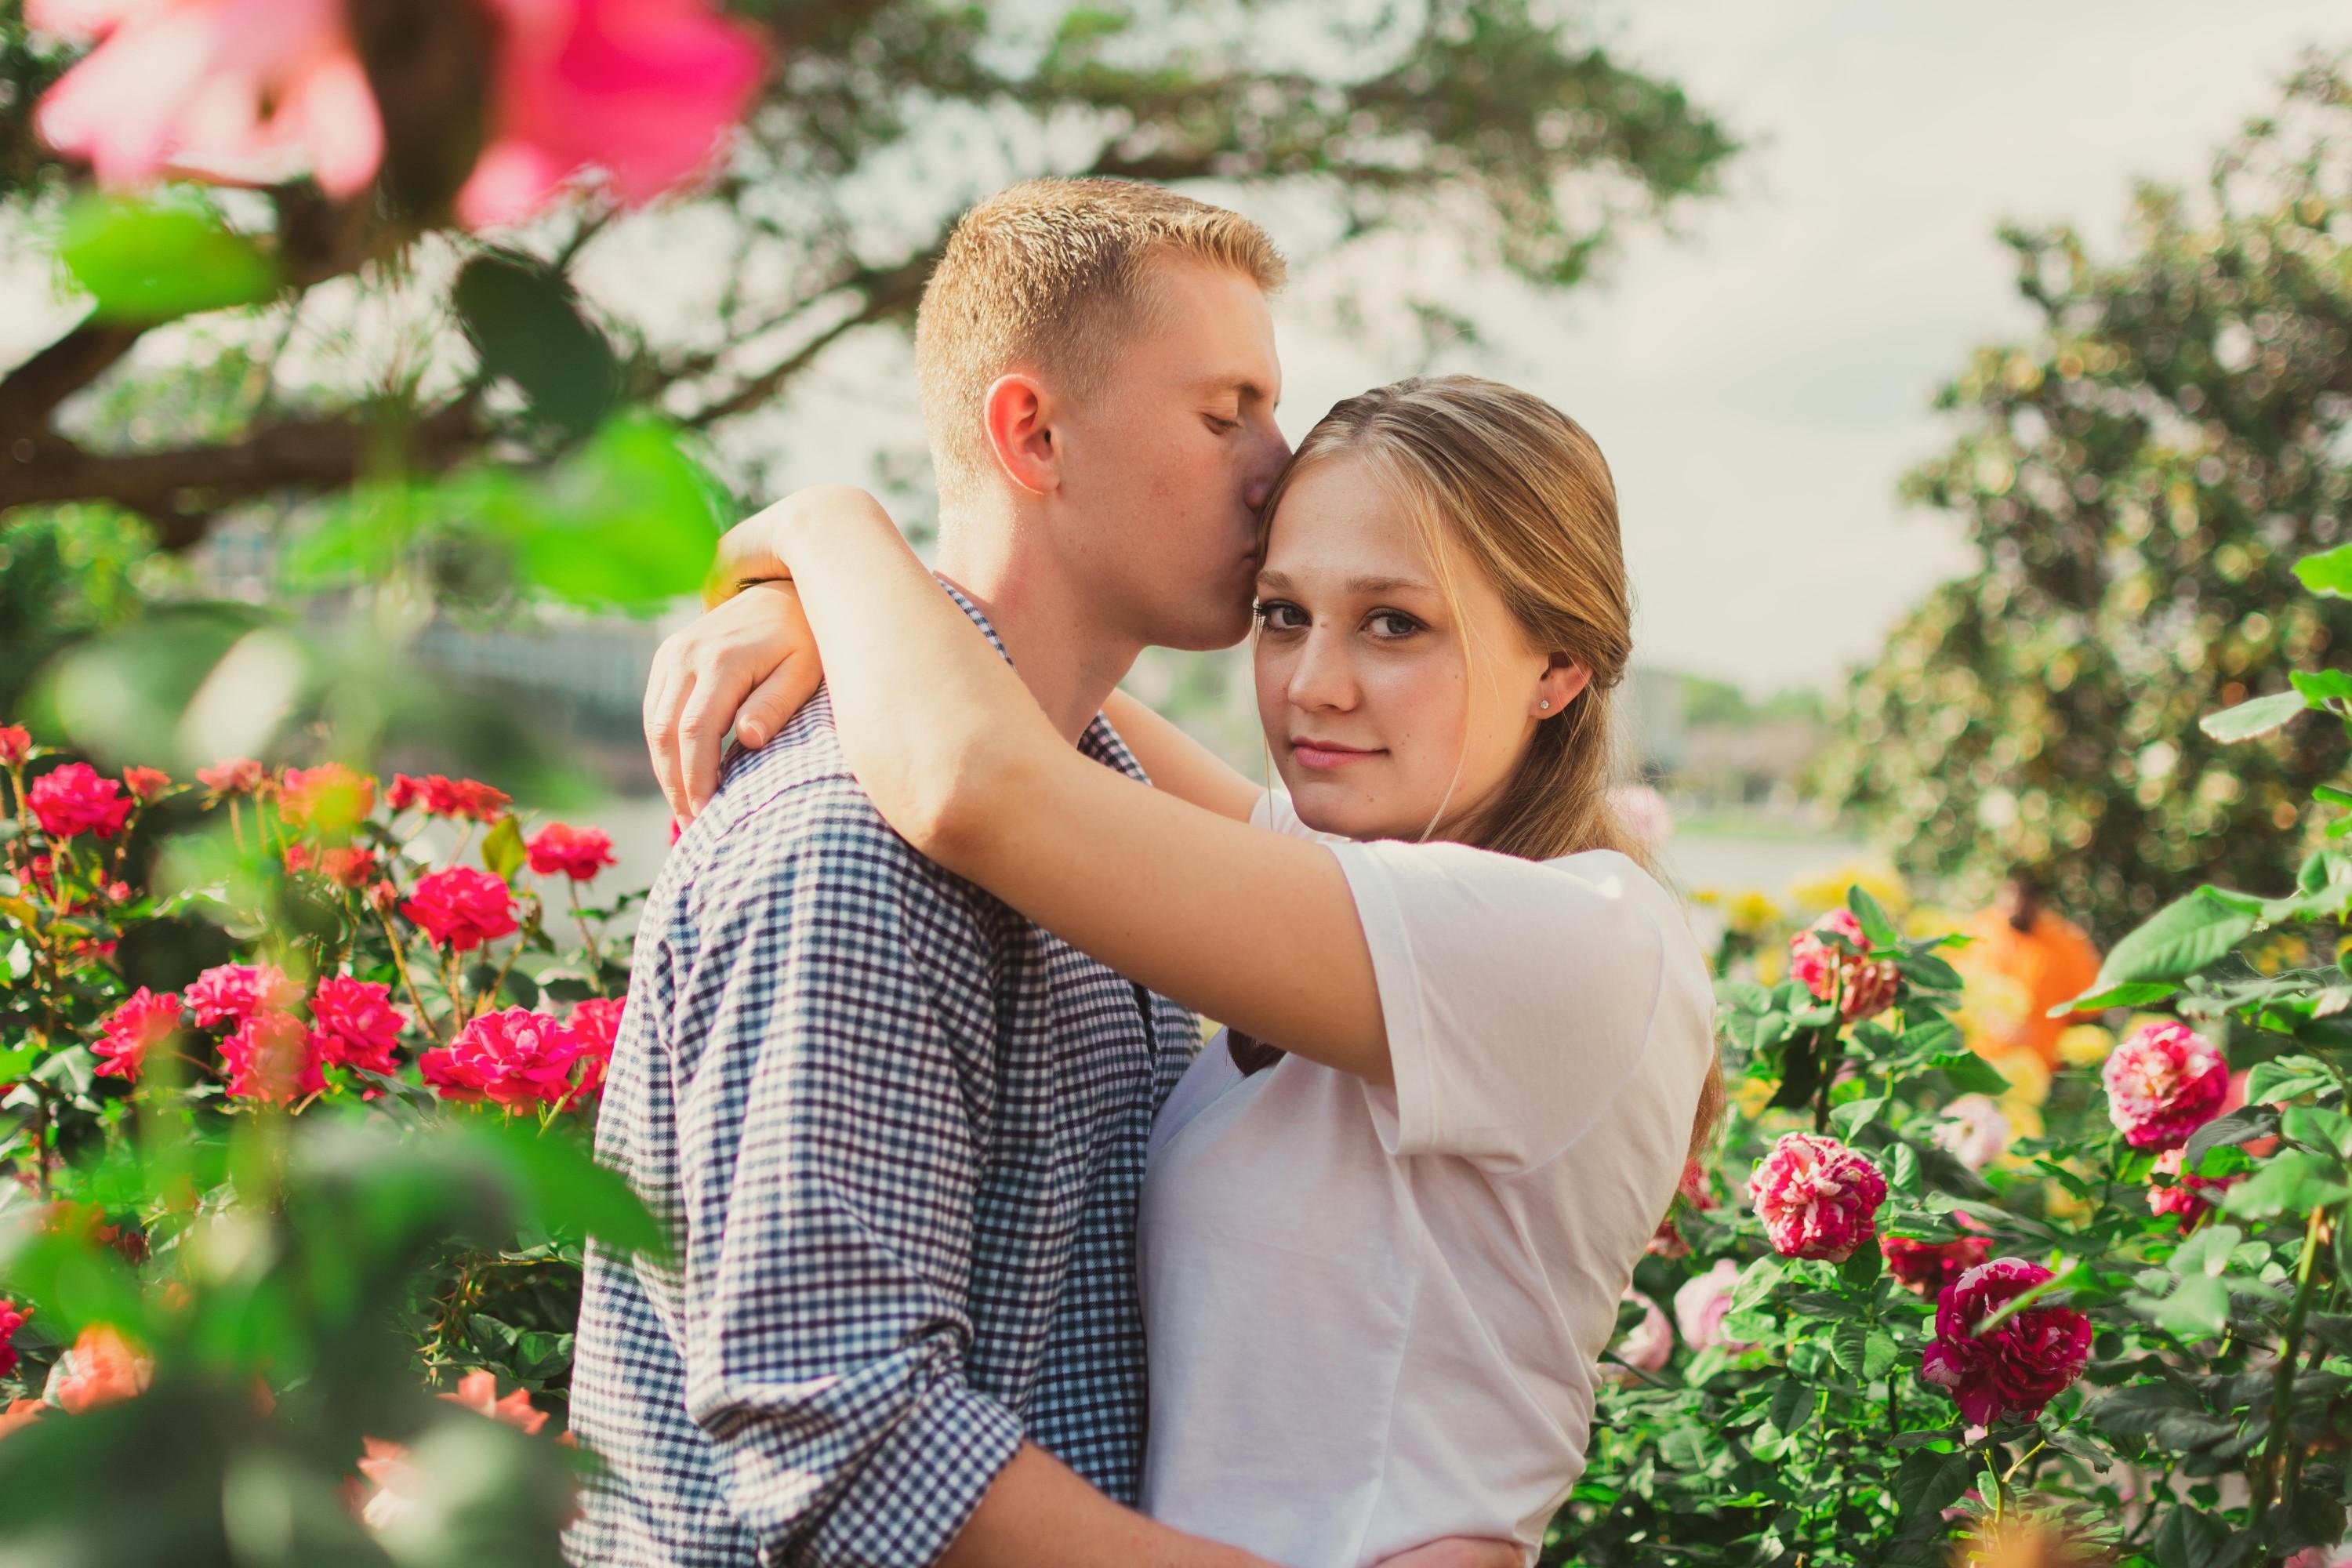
{"x":1163,"y":470}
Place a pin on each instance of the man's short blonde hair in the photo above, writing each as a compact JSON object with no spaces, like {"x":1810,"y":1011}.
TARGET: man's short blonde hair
{"x":1051,"y":275}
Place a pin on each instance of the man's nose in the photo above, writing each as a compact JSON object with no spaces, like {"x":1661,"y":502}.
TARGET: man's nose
{"x":1272,"y":458}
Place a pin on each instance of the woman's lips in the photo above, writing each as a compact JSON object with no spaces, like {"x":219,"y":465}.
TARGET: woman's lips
{"x":1328,"y":755}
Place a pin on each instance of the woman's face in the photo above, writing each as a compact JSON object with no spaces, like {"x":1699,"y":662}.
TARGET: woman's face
{"x":1382,"y":712}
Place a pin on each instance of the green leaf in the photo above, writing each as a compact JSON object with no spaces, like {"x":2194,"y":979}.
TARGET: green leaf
{"x":2137,"y":994}
{"x":1876,"y":925}
{"x":1856,"y":1114}
{"x":1861,"y":1270}
{"x":2283,"y":1078}
{"x":2197,"y":1309}
{"x":2329,"y":573}
{"x":2292,"y":1181}
{"x":502,"y":848}
{"x":1903,"y":1168}
{"x":1850,"y":1346}
{"x":629,"y":519}
{"x":161,"y":257}
{"x":568,"y":1193}
{"x":2321,"y":686}
{"x":2182,"y":938}
{"x":2251,"y":720}
{"x":2241,"y":1126}
{"x":1970,"y":1073}
{"x":1793,"y":1404}
{"x":1929,"y":1482}
{"x":526,"y":324}
{"x":1879,"y":1355}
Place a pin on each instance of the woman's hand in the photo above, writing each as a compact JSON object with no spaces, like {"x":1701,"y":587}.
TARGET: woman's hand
{"x":751,"y":662}
{"x":1460,"y":1552}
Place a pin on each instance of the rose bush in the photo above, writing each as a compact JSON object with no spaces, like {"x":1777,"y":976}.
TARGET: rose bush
{"x":299,"y":1108}
{"x":2111,"y":1297}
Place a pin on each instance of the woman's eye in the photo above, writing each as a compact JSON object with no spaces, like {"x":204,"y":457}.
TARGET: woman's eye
{"x":1392,"y":624}
{"x":1279,"y":616}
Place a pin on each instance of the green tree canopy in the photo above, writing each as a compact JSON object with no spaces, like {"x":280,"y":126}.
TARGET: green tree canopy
{"x":1499,"y":121}
{"x":2138,"y":477}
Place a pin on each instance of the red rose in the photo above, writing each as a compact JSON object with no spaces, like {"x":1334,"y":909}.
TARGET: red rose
{"x":514,"y":1056}
{"x":596,"y":1024}
{"x":12,"y":1318}
{"x":460,"y":909}
{"x":273,"y":1056}
{"x":1927,"y":1267}
{"x":2019,"y":1366}
{"x":74,"y":800}
{"x":298,"y":857}
{"x":16,"y":745}
{"x":238,"y":775}
{"x":350,"y":867}
{"x":143,"y":1020}
{"x":356,"y":1023}
{"x":147,"y":784}
{"x":238,"y":991}
{"x":578,"y":853}
{"x":443,"y":796}
{"x":328,"y":798}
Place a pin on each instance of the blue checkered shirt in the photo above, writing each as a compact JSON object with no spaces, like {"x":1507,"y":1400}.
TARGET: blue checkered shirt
{"x":898,"y":1133}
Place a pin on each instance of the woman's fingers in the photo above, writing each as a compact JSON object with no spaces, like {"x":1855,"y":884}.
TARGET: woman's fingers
{"x":666,"y":696}
{"x":709,"y":707}
{"x":775,"y":699}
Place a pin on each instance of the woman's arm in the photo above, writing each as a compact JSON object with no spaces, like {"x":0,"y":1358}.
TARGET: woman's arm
{"x":1251,"y":927}
{"x":751,"y":662}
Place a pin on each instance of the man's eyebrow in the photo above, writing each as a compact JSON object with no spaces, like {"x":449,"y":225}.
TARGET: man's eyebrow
{"x":1279,"y":584}
{"x":1242,"y":385}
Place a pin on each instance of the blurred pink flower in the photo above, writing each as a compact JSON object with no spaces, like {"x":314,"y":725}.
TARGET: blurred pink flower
{"x":2164,"y":1082}
{"x":1817,"y":1198}
{"x":578,"y":853}
{"x":2188,"y":1195}
{"x":143,"y":1020}
{"x":238,"y":90}
{"x":1643,"y":813}
{"x":1977,"y":1133}
{"x":12,"y":1318}
{"x":641,"y":88}
{"x":273,"y":1058}
{"x":74,"y":800}
{"x":1646,"y":1346}
{"x":236,"y":991}
{"x":1701,"y":1303}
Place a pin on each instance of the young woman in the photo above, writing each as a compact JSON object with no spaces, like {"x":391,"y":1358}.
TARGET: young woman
{"x":1389,"y":1211}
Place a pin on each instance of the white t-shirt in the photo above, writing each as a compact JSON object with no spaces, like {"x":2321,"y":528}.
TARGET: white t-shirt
{"x":1373,"y":1317}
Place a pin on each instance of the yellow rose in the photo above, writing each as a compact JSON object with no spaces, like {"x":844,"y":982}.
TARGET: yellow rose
{"x":1750,"y":910}
{"x":1753,"y":1094}
{"x":2084,"y":1044}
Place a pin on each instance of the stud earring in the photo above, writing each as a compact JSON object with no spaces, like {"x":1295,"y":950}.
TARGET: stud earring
{"x":1545,"y":705}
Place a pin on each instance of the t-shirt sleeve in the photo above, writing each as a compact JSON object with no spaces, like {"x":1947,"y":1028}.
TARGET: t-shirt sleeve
{"x":1519,"y":994}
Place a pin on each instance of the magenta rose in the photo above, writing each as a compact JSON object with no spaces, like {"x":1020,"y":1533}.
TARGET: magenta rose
{"x":2021,"y":1365}
{"x":12,"y":1318}
{"x":1646,"y":1347}
{"x":460,"y":909}
{"x":1703,"y":1302}
{"x":357,"y":1023}
{"x":1817,"y":1198}
{"x":1865,"y":986}
{"x":272,"y":1057}
{"x":2164,"y":1082}
{"x":230,"y":993}
{"x":73,"y":800}
{"x":143,"y":1020}
{"x":2188,"y":1195}
{"x":515,"y":1057}
{"x":578,"y":853}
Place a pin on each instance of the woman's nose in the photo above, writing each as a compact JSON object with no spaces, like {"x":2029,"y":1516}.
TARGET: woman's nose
{"x":1323,"y":676}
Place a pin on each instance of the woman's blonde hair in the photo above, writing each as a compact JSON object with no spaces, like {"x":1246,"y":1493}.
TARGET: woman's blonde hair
{"x":1523,"y":491}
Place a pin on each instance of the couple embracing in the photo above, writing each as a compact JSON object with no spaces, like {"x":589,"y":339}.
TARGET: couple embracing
{"x":982,"y":1258}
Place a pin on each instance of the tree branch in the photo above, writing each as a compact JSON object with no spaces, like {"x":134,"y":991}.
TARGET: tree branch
{"x":31,"y":392}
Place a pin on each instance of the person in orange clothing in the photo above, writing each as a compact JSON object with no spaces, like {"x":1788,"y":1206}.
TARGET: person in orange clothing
{"x":2044,"y":959}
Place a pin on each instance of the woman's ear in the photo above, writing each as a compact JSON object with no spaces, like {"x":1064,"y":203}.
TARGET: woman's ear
{"x":1562,"y":680}
{"x":1015,"y":411}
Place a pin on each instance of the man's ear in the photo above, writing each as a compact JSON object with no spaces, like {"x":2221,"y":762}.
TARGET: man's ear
{"x":1018,"y":412}
{"x":1562,"y":680}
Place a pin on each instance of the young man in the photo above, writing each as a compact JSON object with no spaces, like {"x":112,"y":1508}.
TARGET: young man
{"x":898,"y":1131}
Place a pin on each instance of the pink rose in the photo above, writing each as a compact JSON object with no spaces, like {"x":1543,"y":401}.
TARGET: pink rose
{"x":460,"y":909}
{"x":238,"y":775}
{"x":578,"y":853}
{"x":641,"y":88}
{"x":74,"y":800}
{"x":236,"y":992}
{"x":2187,"y":1195}
{"x":1703,"y":1302}
{"x":16,"y":745}
{"x":2164,"y":1082}
{"x":146,"y":783}
{"x":357,"y":1023}
{"x":1977,"y":1132}
{"x":1866,"y":984}
{"x":2019,"y":1366}
{"x":1927,"y":1267}
{"x":272,"y":1057}
{"x":515,"y":1057}
{"x":1817,"y":1198}
{"x":440,"y":795}
{"x":352,"y":866}
{"x":143,"y":1020}
{"x":1646,"y":1347}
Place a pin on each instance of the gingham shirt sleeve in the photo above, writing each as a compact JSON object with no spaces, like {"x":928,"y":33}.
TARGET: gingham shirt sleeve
{"x":838,"y":1016}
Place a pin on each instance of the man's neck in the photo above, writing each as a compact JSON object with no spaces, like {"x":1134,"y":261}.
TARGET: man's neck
{"x":1069,"y":662}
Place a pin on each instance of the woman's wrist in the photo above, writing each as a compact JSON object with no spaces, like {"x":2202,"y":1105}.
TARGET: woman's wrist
{"x":760,"y":548}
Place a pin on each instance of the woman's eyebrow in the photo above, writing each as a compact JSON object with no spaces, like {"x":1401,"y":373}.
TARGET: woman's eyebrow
{"x":1282,"y":585}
